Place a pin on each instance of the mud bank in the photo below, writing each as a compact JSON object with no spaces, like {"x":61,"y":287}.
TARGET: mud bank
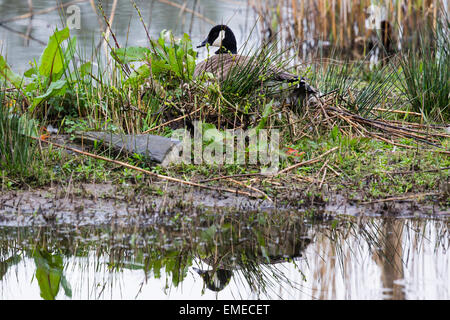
{"x":97,"y":204}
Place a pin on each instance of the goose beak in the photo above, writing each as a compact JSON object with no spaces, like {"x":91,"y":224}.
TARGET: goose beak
{"x":203,"y":43}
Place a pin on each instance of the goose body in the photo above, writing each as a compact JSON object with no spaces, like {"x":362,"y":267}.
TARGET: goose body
{"x":226,"y":57}
{"x":221,"y":64}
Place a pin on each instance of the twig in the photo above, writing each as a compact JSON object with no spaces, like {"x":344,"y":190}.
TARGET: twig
{"x":127,"y":165}
{"x":323,"y":177}
{"x":307,"y":179}
{"x":334,"y":171}
{"x":109,"y":24}
{"x":417,"y":171}
{"x":179,"y":6}
{"x":173,"y":120}
{"x":30,"y":26}
{"x":321,"y":168}
{"x":99,"y":20}
{"x":356,"y":122}
{"x":43,"y":11}
{"x":251,"y":188}
{"x":21,"y":34}
{"x":404,"y":145}
{"x":397,"y":111}
{"x":304,"y":163}
{"x":231,"y":176}
{"x":143,"y":23}
{"x":410,"y":197}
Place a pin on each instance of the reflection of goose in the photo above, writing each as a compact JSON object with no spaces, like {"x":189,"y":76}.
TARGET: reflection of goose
{"x":215,"y":280}
{"x":384,"y":41}
{"x":226,"y":57}
{"x":249,"y":258}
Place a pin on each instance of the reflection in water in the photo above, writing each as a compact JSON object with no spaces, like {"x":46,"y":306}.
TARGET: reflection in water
{"x":390,"y":255}
{"x":242,"y":256}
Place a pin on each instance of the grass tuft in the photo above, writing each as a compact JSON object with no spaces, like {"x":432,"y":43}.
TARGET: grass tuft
{"x":425,"y":74}
{"x":17,"y":152}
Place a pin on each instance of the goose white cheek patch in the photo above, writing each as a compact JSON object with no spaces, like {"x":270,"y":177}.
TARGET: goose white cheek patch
{"x":218,"y":41}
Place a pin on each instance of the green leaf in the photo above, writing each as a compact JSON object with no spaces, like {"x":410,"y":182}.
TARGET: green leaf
{"x":267,"y":111}
{"x":69,"y":53}
{"x":51,"y":60}
{"x":159,"y":67}
{"x":66,"y":286}
{"x":31,"y":72}
{"x":190,"y":61}
{"x":49,"y":270}
{"x":131,"y":54}
{"x":213,"y":136}
{"x":56,"y":88}
{"x":335,"y":134}
{"x":7,"y":263}
{"x":140,"y":75}
{"x":8,"y":74}
{"x":31,"y":87}
{"x":173,"y":61}
{"x":85,"y":69}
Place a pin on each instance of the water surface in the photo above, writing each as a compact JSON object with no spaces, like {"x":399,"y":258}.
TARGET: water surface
{"x":127,"y":27}
{"x":215,"y":258}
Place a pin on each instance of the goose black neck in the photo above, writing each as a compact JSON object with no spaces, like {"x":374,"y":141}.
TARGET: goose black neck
{"x":229,"y":44}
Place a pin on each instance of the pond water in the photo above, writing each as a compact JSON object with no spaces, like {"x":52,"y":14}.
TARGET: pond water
{"x":126,"y":25}
{"x":269,"y":256}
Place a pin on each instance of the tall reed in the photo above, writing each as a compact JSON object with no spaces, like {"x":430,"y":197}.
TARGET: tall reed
{"x":347,"y":24}
{"x":425,"y":73}
{"x":17,"y":152}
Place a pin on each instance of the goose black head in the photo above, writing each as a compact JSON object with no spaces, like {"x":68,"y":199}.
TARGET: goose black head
{"x":221,"y":36}
{"x":215,"y":280}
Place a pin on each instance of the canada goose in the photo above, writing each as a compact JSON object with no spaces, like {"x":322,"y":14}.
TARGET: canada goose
{"x":226,"y":57}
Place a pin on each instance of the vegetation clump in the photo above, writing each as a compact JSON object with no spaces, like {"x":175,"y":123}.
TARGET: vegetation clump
{"x":371,"y":121}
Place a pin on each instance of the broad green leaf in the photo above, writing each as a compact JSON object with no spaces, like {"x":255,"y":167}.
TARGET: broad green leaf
{"x":159,"y":67}
{"x":48,"y":283}
{"x":51,"y":60}
{"x":66,"y":286}
{"x":28,"y":127}
{"x":31,"y":72}
{"x":131,"y":54}
{"x":85,"y":68}
{"x":49,"y":270}
{"x":31,"y":87}
{"x":69,"y":53}
{"x":142,"y":73}
{"x":56,"y":88}
{"x":8,"y":74}
{"x":173,"y":61}
{"x":213,"y":135}
{"x":161,"y":41}
{"x":70,"y":50}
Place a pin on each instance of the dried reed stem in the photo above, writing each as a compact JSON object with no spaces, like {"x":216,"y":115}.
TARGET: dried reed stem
{"x":127,"y":165}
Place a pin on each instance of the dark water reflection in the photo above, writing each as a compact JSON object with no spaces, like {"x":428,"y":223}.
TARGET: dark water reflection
{"x":275,"y":256}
